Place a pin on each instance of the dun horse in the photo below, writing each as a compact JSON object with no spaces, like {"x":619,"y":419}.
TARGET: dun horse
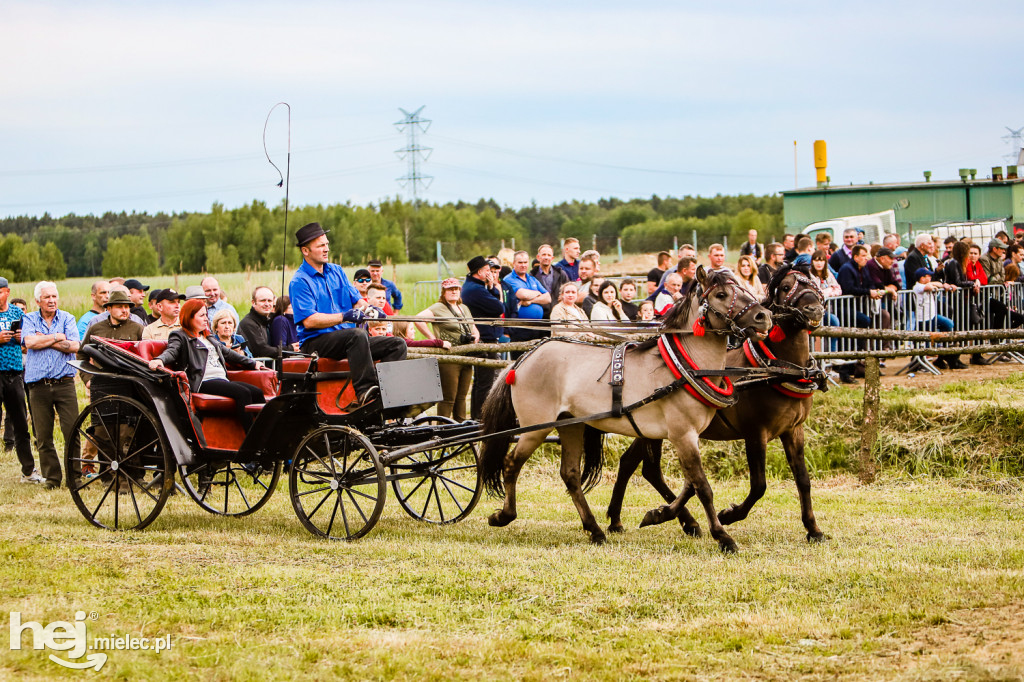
{"x":763,"y":412}
{"x":560,"y":380}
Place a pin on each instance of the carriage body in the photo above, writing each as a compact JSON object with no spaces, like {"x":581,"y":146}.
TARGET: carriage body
{"x":142,"y":425}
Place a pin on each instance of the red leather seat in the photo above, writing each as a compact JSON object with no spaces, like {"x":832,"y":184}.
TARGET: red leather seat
{"x":301,"y":365}
{"x":150,"y":349}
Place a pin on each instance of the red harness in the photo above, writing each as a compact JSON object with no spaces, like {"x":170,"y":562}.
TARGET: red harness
{"x":725,"y":391}
{"x":781,"y":388}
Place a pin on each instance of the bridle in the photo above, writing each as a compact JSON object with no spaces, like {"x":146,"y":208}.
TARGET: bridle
{"x":786,"y":310}
{"x":733,"y":329}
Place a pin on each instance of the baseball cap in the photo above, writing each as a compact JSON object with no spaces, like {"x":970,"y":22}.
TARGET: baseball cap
{"x":169,"y":295}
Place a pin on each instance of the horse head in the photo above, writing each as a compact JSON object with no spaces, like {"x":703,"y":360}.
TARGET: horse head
{"x":728,"y":308}
{"x":792,"y":296}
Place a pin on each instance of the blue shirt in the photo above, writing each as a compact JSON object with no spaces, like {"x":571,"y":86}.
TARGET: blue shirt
{"x":10,"y":352}
{"x":84,"y":320}
{"x":312,"y":292}
{"x":571,"y":271}
{"x":394,"y":296}
{"x":48,"y":363}
{"x":527,"y":311}
{"x":219,"y":306}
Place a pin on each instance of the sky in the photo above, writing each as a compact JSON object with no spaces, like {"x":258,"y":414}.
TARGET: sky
{"x":158,"y":106}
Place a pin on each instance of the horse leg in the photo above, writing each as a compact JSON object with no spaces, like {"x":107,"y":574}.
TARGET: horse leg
{"x":653,"y":474}
{"x":756,"y":455}
{"x":793,"y":443}
{"x":689,"y":457}
{"x":514,"y":462}
{"x":637,"y":451}
{"x":572,"y":456}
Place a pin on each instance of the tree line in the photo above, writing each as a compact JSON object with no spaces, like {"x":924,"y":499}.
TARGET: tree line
{"x":252,"y":236}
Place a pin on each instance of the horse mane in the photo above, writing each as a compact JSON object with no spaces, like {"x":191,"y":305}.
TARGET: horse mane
{"x":679,"y":314}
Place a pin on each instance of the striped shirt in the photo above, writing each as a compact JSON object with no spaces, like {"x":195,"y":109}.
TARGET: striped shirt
{"x":48,"y":363}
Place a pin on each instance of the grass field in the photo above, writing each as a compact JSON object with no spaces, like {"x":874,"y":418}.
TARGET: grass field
{"x":922,"y":577}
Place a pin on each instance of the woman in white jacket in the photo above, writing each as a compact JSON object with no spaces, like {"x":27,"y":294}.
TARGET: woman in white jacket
{"x":608,"y":307}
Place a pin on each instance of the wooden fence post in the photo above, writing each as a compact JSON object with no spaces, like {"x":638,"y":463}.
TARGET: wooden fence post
{"x":869,"y":427}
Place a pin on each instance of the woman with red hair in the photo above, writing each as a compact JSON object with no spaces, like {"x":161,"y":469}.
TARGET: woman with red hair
{"x":204,"y":362}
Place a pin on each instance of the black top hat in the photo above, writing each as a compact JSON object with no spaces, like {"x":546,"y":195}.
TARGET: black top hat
{"x":477,"y":263}
{"x":308,"y":233}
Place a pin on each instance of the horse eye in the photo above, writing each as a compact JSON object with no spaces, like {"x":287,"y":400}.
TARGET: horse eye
{"x":721,"y":294}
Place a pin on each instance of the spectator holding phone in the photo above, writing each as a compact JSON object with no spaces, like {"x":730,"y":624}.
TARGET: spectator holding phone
{"x":224,"y":333}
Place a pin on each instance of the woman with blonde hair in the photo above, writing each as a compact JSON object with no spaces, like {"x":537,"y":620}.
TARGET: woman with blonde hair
{"x":746,"y":275}
{"x":452,"y":322}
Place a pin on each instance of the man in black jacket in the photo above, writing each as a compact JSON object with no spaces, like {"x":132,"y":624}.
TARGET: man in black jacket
{"x":481,"y":295}
{"x":551,"y":277}
{"x":255,"y":327}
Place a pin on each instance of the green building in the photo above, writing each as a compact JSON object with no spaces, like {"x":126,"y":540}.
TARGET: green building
{"x":918,"y":205}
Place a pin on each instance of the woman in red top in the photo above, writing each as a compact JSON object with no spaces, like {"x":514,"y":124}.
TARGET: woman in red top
{"x":973,"y":270}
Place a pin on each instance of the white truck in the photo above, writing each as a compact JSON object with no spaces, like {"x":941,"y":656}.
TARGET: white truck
{"x":874,"y":226}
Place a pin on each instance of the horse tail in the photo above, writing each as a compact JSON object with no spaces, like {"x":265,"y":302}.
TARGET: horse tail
{"x":593,"y":457}
{"x":497,"y":415}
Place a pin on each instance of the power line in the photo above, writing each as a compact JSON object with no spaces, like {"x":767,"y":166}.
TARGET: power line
{"x":177,"y":162}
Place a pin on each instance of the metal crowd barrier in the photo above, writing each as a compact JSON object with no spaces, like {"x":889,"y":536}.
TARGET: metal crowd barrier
{"x":992,"y":307}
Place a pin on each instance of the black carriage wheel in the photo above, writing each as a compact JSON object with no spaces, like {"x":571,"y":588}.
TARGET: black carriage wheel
{"x":230,"y":488}
{"x":119,"y":466}
{"x":337,"y":483}
{"x":441,"y":485}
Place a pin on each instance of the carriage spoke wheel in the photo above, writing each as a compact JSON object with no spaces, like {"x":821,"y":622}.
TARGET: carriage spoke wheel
{"x":441,"y":485}
{"x":118,"y":463}
{"x":230,"y":488}
{"x":337,"y":483}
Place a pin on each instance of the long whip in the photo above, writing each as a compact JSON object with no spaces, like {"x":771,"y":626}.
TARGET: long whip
{"x":285,"y":180}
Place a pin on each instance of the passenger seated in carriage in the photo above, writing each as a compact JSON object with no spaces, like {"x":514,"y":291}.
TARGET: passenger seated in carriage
{"x":204,"y":362}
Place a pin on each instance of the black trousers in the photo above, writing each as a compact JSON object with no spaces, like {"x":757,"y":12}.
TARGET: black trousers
{"x":483,"y":378}
{"x":360,"y":350}
{"x":46,"y":401}
{"x":242,"y":393}
{"x":12,"y":395}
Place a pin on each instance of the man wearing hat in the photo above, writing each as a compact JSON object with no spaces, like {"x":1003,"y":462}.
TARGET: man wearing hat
{"x":483,"y":298}
{"x":992,"y":262}
{"x":167,"y":305}
{"x":118,"y":325}
{"x":394,"y":296}
{"x":12,"y":383}
{"x":153,"y":315}
{"x":326,"y":309}
{"x":106,"y":313}
{"x":137,"y":293}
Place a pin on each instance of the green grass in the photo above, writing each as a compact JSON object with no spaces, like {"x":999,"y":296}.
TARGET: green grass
{"x":922,"y":578}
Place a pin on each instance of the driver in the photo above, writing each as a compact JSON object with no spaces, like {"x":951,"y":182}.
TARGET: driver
{"x":326,"y":309}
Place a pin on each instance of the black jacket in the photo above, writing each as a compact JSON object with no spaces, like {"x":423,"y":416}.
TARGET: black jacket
{"x":256,"y":330}
{"x":189,"y":355}
{"x":558,"y":280}
{"x":483,"y":302}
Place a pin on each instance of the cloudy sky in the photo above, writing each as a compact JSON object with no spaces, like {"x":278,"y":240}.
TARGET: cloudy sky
{"x":111,"y":106}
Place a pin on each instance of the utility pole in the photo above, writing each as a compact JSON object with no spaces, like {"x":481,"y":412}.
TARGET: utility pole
{"x":412,"y":124}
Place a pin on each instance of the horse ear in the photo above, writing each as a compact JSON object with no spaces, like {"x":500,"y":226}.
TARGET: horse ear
{"x":702,"y":277}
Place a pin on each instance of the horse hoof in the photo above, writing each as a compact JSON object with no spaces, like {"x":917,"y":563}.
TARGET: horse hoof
{"x":654,"y":517}
{"x":693,"y":531}
{"x":816,"y":538}
{"x":598,"y":539}
{"x":616,"y":527}
{"x":728,"y":515}
{"x":498,"y":519}
{"x":728,"y":546}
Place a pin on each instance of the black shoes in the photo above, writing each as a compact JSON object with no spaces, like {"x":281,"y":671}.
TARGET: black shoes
{"x":371,"y":395}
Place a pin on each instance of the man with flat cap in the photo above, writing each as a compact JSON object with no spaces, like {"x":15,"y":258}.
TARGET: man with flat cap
{"x":326,"y":309}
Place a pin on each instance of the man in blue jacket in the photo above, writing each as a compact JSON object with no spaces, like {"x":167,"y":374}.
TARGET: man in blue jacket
{"x":570,"y":263}
{"x":482,"y":296}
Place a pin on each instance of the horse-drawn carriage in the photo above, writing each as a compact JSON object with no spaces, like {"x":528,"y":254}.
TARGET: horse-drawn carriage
{"x":144,"y":426}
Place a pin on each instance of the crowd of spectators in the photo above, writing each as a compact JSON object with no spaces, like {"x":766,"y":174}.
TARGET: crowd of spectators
{"x":572,"y":293}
